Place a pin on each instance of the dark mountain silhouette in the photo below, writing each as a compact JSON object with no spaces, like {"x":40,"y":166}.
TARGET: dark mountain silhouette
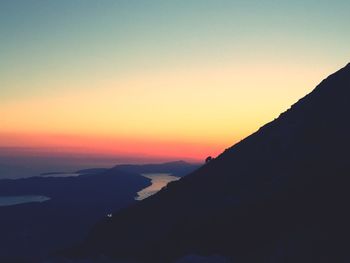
{"x":176,"y":168}
{"x":29,"y":232}
{"x":280,"y":195}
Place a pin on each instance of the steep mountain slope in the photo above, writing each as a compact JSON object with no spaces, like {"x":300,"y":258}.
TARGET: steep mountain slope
{"x":280,"y":195}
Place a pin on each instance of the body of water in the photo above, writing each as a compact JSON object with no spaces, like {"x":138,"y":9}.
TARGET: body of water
{"x":22,"y":199}
{"x":158,"y":180}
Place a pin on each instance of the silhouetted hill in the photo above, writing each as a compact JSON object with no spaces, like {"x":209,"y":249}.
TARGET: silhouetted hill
{"x":280,"y":195}
{"x":29,"y":232}
{"x":177,"y":168}
{"x":92,"y":171}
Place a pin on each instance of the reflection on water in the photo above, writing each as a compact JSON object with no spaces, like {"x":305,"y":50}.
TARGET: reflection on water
{"x":158,"y":180}
{"x":22,"y":199}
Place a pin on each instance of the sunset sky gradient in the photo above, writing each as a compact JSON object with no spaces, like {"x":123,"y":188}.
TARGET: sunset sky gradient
{"x":175,"y":79}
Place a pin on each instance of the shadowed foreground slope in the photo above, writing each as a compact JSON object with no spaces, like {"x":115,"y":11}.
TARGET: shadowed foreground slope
{"x":31,"y":231}
{"x":280,"y":195}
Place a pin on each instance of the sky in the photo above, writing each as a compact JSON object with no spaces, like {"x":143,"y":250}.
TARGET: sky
{"x":164,"y":79}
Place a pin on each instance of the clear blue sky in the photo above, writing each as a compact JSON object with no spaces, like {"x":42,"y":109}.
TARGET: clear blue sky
{"x":73,"y":34}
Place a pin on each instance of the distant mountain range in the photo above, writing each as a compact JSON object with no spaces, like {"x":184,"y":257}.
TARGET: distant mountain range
{"x":177,"y":168}
{"x":30,"y":232}
{"x":280,"y":195}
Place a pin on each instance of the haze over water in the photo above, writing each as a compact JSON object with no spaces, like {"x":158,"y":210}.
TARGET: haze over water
{"x":20,"y":163}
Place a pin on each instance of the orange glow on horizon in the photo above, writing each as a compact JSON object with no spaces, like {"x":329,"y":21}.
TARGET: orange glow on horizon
{"x":189,"y":113}
{"x":159,"y":78}
{"x":113,"y":146}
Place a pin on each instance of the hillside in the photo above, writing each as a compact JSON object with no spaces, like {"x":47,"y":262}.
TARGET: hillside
{"x":29,"y":232}
{"x":280,"y":195}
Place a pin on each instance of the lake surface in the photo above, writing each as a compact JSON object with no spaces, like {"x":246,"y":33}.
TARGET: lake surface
{"x":22,"y":199}
{"x":158,"y":180}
